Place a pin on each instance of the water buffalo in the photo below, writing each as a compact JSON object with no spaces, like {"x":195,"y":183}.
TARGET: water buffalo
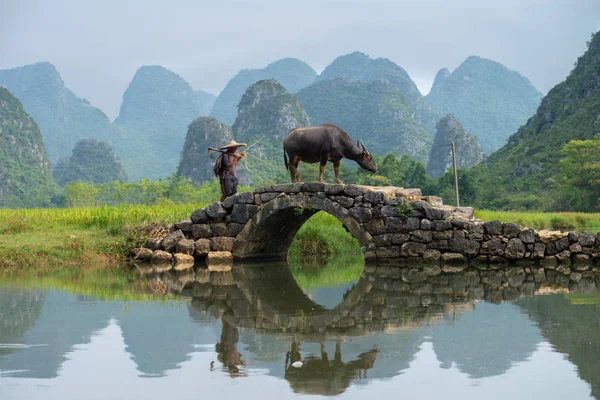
{"x":321,"y":144}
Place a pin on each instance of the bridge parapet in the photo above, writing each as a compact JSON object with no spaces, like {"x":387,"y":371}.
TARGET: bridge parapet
{"x":391,"y":224}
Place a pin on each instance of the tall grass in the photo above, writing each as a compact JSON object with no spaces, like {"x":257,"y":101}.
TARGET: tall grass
{"x":323,"y":235}
{"x":558,"y":221}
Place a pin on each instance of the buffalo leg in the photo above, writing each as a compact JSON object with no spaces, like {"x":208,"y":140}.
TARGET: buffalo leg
{"x":321,"y":171}
{"x":336,"y":169}
{"x":293,"y":165}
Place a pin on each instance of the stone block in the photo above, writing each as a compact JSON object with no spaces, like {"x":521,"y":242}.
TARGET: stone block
{"x":493,"y":247}
{"x":245,"y":198}
{"x":426,"y":224}
{"x":421,"y":236}
{"x":399,"y":238}
{"x":142,"y":254}
{"x":185,"y":246}
{"x":375,"y":196}
{"x":345,"y":201}
{"x":184,"y":226}
{"x":527,"y":236}
{"x":202,"y":246}
{"x":431,"y":255}
{"x":153,"y":243}
{"x":183,"y":261}
{"x":170,"y":241}
{"x":439,"y":244}
{"x":432,"y":270}
{"x":434,"y":213}
{"x":241,"y":213}
{"x":361,"y":214}
{"x":459,"y":223}
{"x":216,"y":211}
{"x":443,"y":235}
{"x":441,"y":225}
{"x":515,"y":249}
{"x":393,"y":224}
{"x":375,"y":226}
{"x":575,"y":248}
{"x":412,"y":249}
{"x":221,"y":243}
{"x":219,"y":257}
{"x":557,"y":246}
{"x":464,"y":246}
{"x":452,"y":258}
{"x":493,"y":228}
{"x":199,"y":216}
{"x":510,"y":230}
{"x":266,"y":197}
{"x":355,"y":190}
{"x":334,"y":189}
{"x":539,"y":249}
{"x":387,"y":252}
{"x":219,"y":229}
{"x":233,"y":228}
{"x":573,"y":237}
{"x":160,"y":256}
{"x":201,"y":231}
{"x":515,"y":276}
{"x":587,"y":239}
{"x":412,"y":275}
{"x":382,"y":240}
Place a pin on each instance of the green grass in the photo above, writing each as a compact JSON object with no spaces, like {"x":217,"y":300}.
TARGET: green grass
{"x":539,"y":220}
{"x":43,"y":239}
{"x":317,"y":272}
{"x":323,"y":235}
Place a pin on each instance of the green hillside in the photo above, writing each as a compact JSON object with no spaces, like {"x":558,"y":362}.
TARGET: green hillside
{"x":525,"y":172}
{"x":267,"y":112}
{"x":361,"y":67}
{"x":91,"y":161}
{"x":291,"y":73}
{"x":374,"y":111}
{"x":25,"y":177}
{"x":157,"y":108}
{"x":487,"y":98}
{"x":207,"y":100}
{"x":62,"y":117}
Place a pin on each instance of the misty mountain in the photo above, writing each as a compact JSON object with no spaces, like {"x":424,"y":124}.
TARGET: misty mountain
{"x":157,"y":108}
{"x":92,"y":161}
{"x":490,"y":100}
{"x":361,"y":67}
{"x":374,"y":111}
{"x":467,"y":147}
{"x":207,"y":100}
{"x":291,"y":73}
{"x":25,"y":176}
{"x":267,"y":112}
{"x":62,"y":117}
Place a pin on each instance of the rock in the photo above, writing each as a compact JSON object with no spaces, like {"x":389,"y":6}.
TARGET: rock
{"x":153,"y":243}
{"x":441,"y":225}
{"x":334,"y":189}
{"x":399,"y":238}
{"x":434,"y":213}
{"x":243,"y":212}
{"x":199,"y":216}
{"x":361,"y":214}
{"x":527,"y":236}
{"x":220,"y":267}
{"x":587,"y":239}
{"x":575,"y":248}
{"x":550,"y":236}
{"x":202,"y":246}
{"x":159,"y":256}
{"x":219,"y":228}
{"x":170,"y":241}
{"x":539,"y":249}
{"x":492,"y":247}
{"x":515,"y":276}
{"x":266,"y":197}
{"x":354,"y":190}
{"x":216,"y":211}
{"x":432,"y":270}
{"x":233,"y":228}
{"x":515,"y":249}
{"x":389,"y":211}
{"x":375,"y":226}
{"x":493,"y":228}
{"x":185,"y":225}
{"x":345,"y":201}
{"x":201,"y":231}
{"x":219,"y":257}
{"x":421,"y":236}
{"x":388,"y":252}
{"x":510,"y":230}
{"x":549,"y":262}
{"x":185,"y":246}
{"x":375,"y":196}
{"x":183,"y":261}
{"x":464,"y":246}
{"x":412,"y":249}
{"x":431,"y":255}
{"x":425,"y":224}
{"x":452,"y":258}
{"x":221,"y":243}
{"x":557,"y":246}
{"x":142,"y":254}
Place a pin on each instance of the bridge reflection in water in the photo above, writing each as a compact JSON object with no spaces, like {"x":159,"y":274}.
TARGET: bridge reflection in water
{"x":257,"y":317}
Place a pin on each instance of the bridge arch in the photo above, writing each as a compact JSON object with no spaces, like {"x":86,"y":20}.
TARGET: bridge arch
{"x":270,"y":232}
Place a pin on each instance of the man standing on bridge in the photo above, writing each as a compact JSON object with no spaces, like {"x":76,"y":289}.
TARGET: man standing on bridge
{"x":225,"y":167}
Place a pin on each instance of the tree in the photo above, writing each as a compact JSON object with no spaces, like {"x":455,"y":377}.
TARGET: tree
{"x":580,"y":173}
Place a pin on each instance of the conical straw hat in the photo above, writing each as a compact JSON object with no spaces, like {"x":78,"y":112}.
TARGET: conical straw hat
{"x":232,"y":143}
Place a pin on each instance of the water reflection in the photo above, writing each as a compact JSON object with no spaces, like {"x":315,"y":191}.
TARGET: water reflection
{"x":258,"y":320}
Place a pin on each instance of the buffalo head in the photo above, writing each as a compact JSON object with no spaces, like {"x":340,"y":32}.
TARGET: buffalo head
{"x":366,"y":160}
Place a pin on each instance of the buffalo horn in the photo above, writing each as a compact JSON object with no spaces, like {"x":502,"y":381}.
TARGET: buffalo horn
{"x":363,"y":146}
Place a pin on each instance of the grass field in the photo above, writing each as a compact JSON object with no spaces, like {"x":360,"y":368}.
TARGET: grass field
{"x":538,"y":220}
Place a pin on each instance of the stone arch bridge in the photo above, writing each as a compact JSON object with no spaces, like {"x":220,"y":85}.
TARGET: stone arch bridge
{"x":391,"y":224}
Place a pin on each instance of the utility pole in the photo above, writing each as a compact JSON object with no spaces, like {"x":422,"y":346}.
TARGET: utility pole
{"x":455,"y":175}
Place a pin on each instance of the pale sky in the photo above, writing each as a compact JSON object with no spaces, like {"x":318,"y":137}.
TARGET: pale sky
{"x":98,"y":45}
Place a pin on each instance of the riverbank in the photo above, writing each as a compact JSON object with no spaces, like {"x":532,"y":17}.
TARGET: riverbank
{"x":43,"y":239}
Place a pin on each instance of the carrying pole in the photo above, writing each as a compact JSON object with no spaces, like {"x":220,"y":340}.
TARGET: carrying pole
{"x":455,"y":175}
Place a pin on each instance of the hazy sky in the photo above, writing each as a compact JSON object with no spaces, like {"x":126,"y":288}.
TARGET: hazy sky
{"x":97,"y":45}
